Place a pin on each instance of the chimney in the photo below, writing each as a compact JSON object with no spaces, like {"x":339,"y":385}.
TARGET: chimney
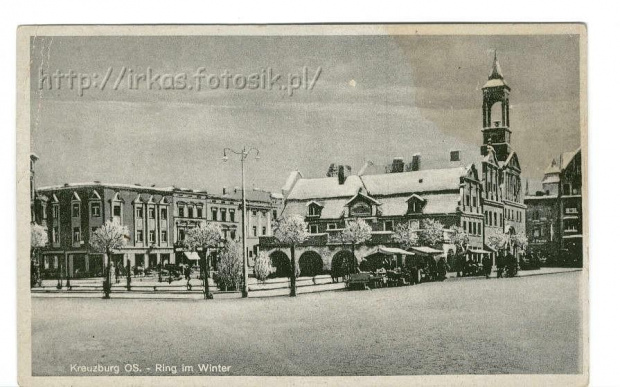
{"x":237,"y":189}
{"x":398,"y":165}
{"x":224,"y":190}
{"x":455,"y":155}
{"x":416,"y":162}
{"x":341,"y":176}
{"x":97,"y":182}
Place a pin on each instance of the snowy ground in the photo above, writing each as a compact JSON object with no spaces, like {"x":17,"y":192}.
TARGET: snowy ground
{"x":518,"y":325}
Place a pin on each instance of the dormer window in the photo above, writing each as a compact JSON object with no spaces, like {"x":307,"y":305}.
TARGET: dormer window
{"x":314,"y":209}
{"x":415,"y":204}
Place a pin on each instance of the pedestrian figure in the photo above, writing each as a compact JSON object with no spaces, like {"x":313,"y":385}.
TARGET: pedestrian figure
{"x":442,"y":269}
{"x":487,"y":265}
{"x":117,"y":272}
{"x":500,"y":265}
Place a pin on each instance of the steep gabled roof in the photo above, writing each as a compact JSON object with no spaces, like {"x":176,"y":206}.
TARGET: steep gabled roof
{"x":567,"y":157}
{"x":418,"y":181}
{"x":326,"y":187}
{"x":365,"y":197}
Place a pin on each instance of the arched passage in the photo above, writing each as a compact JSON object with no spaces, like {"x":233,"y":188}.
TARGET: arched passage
{"x":310,"y":264}
{"x":342,"y":263}
{"x":282,"y":264}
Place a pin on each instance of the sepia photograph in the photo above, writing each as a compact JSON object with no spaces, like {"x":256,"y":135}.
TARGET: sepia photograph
{"x":364,"y":201}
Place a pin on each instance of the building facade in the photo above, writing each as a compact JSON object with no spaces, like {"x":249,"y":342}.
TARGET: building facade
{"x":158,"y":220}
{"x":483,"y":196}
{"x":72,"y":212}
{"x":555,"y":214}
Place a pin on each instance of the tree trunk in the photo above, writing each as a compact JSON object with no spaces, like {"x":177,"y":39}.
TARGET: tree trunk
{"x":293,"y":272}
{"x":354,"y":263}
{"x":128,"y":274}
{"x":107,"y":283}
{"x":207,"y":273}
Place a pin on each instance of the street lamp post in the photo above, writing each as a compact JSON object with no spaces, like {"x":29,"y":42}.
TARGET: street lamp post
{"x":243,"y":154}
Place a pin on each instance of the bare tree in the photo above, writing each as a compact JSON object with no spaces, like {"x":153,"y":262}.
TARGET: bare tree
{"x":291,"y":231}
{"x":459,"y":238}
{"x":405,"y":235}
{"x":497,"y":240}
{"x":262,"y":267}
{"x":206,"y":236}
{"x":431,"y":233}
{"x":230,"y":267}
{"x":109,"y":237}
{"x":356,"y":233}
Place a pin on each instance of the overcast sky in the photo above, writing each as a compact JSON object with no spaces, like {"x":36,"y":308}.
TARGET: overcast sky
{"x":375,"y":98}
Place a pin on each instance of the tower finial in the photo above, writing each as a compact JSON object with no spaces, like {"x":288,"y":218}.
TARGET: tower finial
{"x":496,"y":71}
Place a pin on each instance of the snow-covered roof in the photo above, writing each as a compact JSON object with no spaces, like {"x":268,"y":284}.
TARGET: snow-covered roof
{"x":414,"y":182}
{"x":567,"y":157}
{"x":106,"y":185}
{"x":326,"y":187}
{"x":444,"y":203}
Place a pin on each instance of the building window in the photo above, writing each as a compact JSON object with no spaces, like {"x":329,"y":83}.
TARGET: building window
{"x":475,"y":202}
{"x":75,"y":210}
{"x":470,"y":228}
{"x":77,"y":235}
{"x":151,"y":212}
{"x":388,"y":225}
{"x":164,"y":236}
{"x":264,"y":231}
{"x":314,"y":229}
{"x":414,"y":224}
{"x":232,"y":216}
{"x":501,"y":220}
{"x":181,"y":234}
{"x":223,"y":214}
{"x":214,"y":213}
{"x":331,"y":226}
{"x":164,"y":214}
{"x":274,"y":214}
{"x":199,"y":212}
{"x":190,"y":212}
{"x":181,"y":212}
{"x":139,"y":236}
{"x":254,"y":231}
{"x":95,"y":210}
{"x":55,"y":211}
{"x":139,"y":212}
{"x":495,"y":219}
{"x":571,"y":210}
{"x":467,"y":201}
{"x":151,"y":236}
{"x":253,"y":212}
{"x":55,"y":234}
{"x":117,"y":210}
{"x":314,"y":210}
{"x":233,"y":234}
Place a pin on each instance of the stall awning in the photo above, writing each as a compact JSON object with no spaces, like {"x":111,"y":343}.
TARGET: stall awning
{"x":576,"y":236}
{"x":389,"y":251}
{"x":478,"y":251}
{"x":426,"y":250}
{"x":192,"y":255}
{"x":394,"y":250}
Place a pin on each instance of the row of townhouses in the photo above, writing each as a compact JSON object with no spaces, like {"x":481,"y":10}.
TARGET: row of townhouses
{"x":483,"y":196}
{"x":158,"y":220}
{"x":555,"y":215}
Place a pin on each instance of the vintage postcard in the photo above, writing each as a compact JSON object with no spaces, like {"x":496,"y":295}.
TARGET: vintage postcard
{"x":302,"y":204}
